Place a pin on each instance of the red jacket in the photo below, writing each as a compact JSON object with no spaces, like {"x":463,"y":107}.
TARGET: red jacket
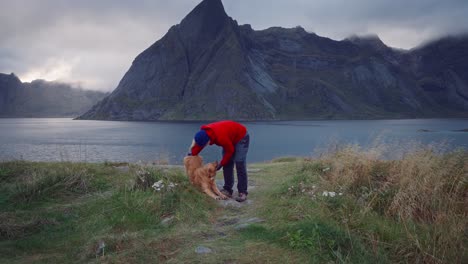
{"x":225,"y":134}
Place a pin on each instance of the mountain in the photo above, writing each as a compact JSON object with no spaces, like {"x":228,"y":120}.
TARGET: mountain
{"x":208,"y":67}
{"x":43,"y":99}
{"x":441,"y":70}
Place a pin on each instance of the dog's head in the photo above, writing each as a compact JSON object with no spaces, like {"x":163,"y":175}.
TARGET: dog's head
{"x":211,"y":168}
{"x":193,"y":162}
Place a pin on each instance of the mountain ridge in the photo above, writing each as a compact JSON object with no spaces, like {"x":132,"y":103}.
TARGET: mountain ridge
{"x":208,"y":67}
{"x":40,"y":98}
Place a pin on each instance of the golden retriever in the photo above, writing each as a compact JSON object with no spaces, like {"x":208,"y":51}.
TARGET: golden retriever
{"x":203,"y":176}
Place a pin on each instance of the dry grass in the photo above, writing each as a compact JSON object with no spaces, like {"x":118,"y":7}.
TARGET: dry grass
{"x":425,"y":191}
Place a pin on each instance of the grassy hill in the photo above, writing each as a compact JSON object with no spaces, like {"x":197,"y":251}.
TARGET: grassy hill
{"x":349,"y":206}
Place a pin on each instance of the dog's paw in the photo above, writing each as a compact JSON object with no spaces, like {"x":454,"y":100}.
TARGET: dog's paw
{"x":218,"y":198}
{"x":223,"y":197}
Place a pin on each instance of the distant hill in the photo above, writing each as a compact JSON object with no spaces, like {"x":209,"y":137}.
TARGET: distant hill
{"x":43,"y":99}
{"x":209,"y":67}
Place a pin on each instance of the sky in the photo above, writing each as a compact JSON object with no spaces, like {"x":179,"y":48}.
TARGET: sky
{"x":92,"y":43}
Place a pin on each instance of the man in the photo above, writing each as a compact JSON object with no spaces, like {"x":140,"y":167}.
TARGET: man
{"x":234,"y":139}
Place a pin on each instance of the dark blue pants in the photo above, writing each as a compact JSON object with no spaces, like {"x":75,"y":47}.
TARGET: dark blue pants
{"x":239,"y":158}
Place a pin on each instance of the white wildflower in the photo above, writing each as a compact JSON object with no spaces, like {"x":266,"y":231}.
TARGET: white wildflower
{"x":327,"y":193}
{"x":158,"y":185}
{"x":326,"y":169}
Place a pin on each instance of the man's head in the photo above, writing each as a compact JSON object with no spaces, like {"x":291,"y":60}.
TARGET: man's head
{"x":201,"y":138}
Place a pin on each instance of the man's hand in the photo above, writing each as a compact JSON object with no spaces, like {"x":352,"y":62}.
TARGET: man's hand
{"x":218,"y":167}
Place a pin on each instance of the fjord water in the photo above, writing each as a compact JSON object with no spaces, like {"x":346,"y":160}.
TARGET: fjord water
{"x":62,"y":139}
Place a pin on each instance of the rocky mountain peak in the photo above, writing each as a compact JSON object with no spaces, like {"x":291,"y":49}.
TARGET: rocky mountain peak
{"x":210,"y":68}
{"x":208,"y":7}
{"x":8,"y":79}
{"x":207,"y":18}
{"x":370,"y":41}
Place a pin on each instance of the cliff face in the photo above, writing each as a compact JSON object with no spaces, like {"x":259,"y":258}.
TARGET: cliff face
{"x":43,"y":99}
{"x":441,"y":71}
{"x":209,"y":67}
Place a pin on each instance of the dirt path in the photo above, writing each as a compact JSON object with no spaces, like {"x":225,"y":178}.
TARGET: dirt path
{"x":223,"y":238}
{"x":232,"y":218}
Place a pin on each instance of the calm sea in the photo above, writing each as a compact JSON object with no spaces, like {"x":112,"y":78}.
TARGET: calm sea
{"x":62,"y":139}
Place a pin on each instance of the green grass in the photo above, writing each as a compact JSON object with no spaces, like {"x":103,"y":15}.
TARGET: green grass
{"x":58,"y":212}
{"x":411,"y":210}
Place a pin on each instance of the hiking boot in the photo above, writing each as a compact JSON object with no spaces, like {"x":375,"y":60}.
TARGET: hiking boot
{"x":242,"y":197}
{"x":227,"y":193}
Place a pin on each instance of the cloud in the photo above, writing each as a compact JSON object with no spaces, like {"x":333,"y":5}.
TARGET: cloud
{"x":399,"y":23}
{"x":90,"y":42}
{"x":94,"y":42}
{"x":53,"y":69}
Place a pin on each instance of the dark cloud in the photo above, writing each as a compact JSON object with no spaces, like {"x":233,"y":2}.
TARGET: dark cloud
{"x":94,"y":42}
{"x":399,"y":23}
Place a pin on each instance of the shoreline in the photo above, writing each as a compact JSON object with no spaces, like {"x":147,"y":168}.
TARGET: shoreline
{"x":249,"y":120}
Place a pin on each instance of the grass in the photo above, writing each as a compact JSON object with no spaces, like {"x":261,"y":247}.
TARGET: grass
{"x":59,"y":212}
{"x":411,"y":210}
{"x":348,"y":206}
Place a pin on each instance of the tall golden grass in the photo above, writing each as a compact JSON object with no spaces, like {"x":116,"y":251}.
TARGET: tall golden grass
{"x":425,"y":191}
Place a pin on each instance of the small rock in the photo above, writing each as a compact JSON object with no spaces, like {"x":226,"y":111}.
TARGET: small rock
{"x":242,"y":226}
{"x":254,"y":220}
{"x":157,"y":186}
{"x":203,"y":250}
{"x":228,"y":222}
{"x":230,"y":203}
{"x":331,"y":194}
{"x":100,"y":249}
{"x":217,"y":235}
{"x":234,"y":203}
{"x":246,"y":223}
{"x":166,"y":221}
